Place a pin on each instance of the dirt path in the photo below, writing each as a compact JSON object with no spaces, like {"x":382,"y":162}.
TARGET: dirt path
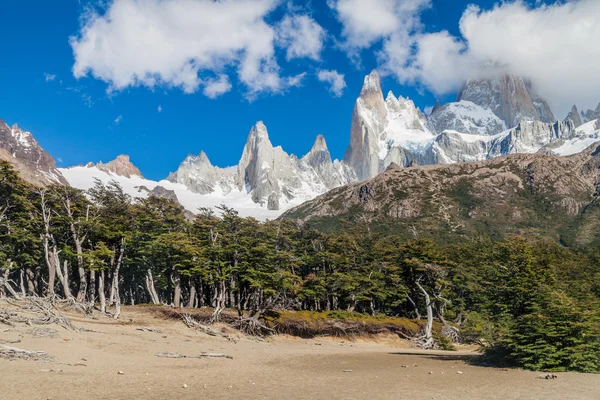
{"x":86,"y":365}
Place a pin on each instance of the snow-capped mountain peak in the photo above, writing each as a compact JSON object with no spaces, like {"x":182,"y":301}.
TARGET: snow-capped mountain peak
{"x":19,"y":148}
{"x":492,"y":117}
{"x":121,"y":166}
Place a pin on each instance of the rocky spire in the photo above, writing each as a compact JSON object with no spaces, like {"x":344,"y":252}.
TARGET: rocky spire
{"x":203,"y":158}
{"x":368,"y":122}
{"x":121,"y":166}
{"x":318,"y":156}
{"x":510,"y":97}
{"x":200,"y":176}
{"x":371,"y":84}
{"x":575,"y":117}
{"x":19,"y":148}
{"x":591,"y":115}
{"x":320,"y":144}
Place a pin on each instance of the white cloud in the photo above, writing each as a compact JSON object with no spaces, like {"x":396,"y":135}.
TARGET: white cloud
{"x":216,"y":87}
{"x":118,"y":120}
{"x":160,"y":108}
{"x":49,"y":77}
{"x":366,"y":22}
{"x":176,"y":42}
{"x":301,"y":35}
{"x":553,"y":46}
{"x":335,"y":80}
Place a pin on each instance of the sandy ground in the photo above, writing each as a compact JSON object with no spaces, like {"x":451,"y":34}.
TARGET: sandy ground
{"x":86,"y":365}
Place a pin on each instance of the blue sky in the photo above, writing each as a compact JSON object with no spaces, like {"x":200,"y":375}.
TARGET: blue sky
{"x":77,"y":120}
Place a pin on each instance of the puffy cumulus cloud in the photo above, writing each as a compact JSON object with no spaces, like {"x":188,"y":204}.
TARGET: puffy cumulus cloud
{"x":366,"y":22}
{"x":216,"y":87}
{"x":552,"y":45}
{"x":334,"y":79}
{"x":176,"y":42}
{"x":302,"y":36}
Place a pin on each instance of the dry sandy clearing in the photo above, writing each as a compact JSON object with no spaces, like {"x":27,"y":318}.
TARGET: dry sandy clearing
{"x":86,"y":365}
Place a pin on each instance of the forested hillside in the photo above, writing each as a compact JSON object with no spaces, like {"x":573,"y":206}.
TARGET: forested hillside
{"x":534,"y":304}
{"x":533,"y":195}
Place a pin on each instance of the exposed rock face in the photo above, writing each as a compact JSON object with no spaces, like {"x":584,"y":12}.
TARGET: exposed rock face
{"x":575,"y":117}
{"x":331,"y":173}
{"x":496,"y":197}
{"x":465,"y":117}
{"x":121,"y":166}
{"x":528,"y":137}
{"x":34,"y":165}
{"x":511,"y":98}
{"x":272,"y":176}
{"x":200,"y":176}
{"x":161,"y":192}
{"x":475,"y":128}
{"x":383,"y":131}
{"x":493,"y":117}
{"x":368,"y":122}
{"x":590,"y":115}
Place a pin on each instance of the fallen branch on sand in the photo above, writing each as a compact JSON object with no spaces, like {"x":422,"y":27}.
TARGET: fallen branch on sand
{"x":43,"y":310}
{"x":14,"y":353}
{"x":253,"y":327}
{"x":43,"y":333}
{"x":201,"y":355}
{"x":153,"y":330}
{"x":193,"y":324}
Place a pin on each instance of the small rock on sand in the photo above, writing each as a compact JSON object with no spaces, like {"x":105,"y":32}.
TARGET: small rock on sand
{"x":185,"y":386}
{"x":121,"y":373}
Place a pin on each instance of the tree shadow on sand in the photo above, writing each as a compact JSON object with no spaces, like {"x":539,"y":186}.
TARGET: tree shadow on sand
{"x":475,"y":359}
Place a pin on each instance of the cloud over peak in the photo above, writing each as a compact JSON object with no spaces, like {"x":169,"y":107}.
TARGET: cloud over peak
{"x":551,"y":45}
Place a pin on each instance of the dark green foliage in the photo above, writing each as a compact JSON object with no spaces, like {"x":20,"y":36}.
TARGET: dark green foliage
{"x":529,"y":301}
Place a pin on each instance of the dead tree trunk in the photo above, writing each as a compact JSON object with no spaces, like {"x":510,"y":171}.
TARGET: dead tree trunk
{"x":81,"y":292}
{"x":92,"y":287}
{"x":22,"y":281}
{"x":63,"y":276}
{"x":101,"y":293}
{"x":47,"y":238}
{"x":427,"y":341}
{"x":117,"y":303}
{"x":176,"y":279}
{"x":192,"y":299}
{"x":151,"y":289}
{"x":115,"y":281}
{"x":5,"y":283}
{"x":221,"y":293}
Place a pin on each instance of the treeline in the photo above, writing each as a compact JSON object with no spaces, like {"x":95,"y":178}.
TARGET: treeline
{"x":531,"y":303}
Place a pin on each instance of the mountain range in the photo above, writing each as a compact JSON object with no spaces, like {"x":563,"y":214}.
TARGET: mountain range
{"x":490,"y":118}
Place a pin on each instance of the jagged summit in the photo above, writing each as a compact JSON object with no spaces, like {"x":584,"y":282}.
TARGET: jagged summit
{"x":510,"y":97}
{"x":590,"y":115}
{"x":372,"y":84}
{"x":259,"y":131}
{"x":203,"y":158}
{"x":386,"y":132}
{"x":35,"y":165}
{"x":575,"y":116}
{"x":320,"y":144}
{"x":121,"y":166}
